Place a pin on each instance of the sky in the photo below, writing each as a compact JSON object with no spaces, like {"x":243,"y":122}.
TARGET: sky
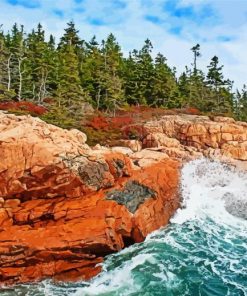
{"x":173,"y":26}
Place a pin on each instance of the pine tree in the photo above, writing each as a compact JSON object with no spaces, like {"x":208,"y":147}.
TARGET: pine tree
{"x":71,"y":37}
{"x":16,"y":43}
{"x":69,"y":91}
{"x":165,"y":91}
{"x":195,"y":82}
{"x":41,"y":64}
{"x":112,"y":55}
{"x":100,"y":73}
{"x":138,"y":72}
{"x":131,"y":79}
{"x":183,"y":88}
{"x":112,"y":86}
{"x":92,"y":72}
{"x":220,"y":86}
{"x":3,"y":72}
{"x":52,"y":62}
{"x":196,"y":52}
{"x":146,"y":73}
{"x":241,"y":104}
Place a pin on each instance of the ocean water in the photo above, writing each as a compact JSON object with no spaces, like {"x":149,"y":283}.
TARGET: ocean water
{"x":202,"y":252}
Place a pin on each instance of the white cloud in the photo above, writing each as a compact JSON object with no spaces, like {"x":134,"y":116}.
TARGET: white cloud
{"x":128,"y":22}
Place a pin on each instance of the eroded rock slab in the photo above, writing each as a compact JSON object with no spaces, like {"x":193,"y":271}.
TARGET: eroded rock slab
{"x":189,"y":136}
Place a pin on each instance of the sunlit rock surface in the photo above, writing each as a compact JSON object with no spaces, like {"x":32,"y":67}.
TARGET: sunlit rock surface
{"x":56,"y":218}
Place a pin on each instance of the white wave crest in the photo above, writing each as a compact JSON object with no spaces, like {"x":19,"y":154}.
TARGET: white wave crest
{"x":215,"y":190}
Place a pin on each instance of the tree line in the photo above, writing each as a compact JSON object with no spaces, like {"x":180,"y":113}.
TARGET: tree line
{"x":73,"y":72}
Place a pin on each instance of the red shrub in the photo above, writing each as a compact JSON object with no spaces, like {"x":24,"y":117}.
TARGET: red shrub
{"x":192,"y":111}
{"x":98,"y":122}
{"x":118,"y":122}
{"x":109,"y":123}
{"x":23,"y":106}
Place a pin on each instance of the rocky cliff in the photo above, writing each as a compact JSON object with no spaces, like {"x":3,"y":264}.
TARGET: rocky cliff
{"x":64,"y":205}
{"x":217,"y":136}
{"x":190,"y":136}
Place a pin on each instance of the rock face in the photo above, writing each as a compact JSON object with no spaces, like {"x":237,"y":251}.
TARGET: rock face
{"x":188,"y":136}
{"x":64,"y":206}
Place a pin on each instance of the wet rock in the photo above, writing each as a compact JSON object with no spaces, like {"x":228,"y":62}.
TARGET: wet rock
{"x":132,"y":195}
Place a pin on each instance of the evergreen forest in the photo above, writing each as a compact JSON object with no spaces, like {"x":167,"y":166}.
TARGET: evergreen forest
{"x":71,"y":74}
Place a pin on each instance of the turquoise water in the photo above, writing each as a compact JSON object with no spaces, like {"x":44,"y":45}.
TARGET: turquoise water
{"x":202,"y":252}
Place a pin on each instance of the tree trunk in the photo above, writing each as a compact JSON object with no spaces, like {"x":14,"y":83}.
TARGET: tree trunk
{"x":44,"y":87}
{"x":20,"y":60}
{"x":20,"y":80}
{"x":9,"y":72}
{"x":98,"y":99}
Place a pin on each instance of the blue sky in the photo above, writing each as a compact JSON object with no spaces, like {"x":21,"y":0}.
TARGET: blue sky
{"x":173,"y":26}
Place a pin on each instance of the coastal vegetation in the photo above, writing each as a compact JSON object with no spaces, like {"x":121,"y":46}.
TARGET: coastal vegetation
{"x":60,"y":80}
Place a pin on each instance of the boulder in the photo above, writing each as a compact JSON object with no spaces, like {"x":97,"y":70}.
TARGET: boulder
{"x":134,"y":145}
